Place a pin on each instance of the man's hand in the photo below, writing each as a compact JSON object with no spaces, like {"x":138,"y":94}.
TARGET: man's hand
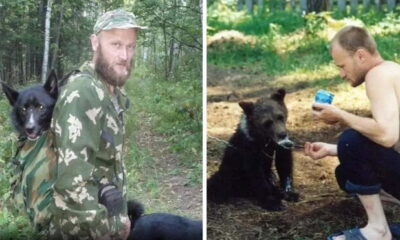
{"x":318,"y":150}
{"x":111,"y":197}
{"x":328,"y":113}
{"x":124,"y":233}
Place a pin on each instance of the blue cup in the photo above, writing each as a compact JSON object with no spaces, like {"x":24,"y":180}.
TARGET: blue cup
{"x":323,"y":96}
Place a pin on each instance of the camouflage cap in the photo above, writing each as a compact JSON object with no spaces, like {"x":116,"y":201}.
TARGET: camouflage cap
{"x":117,"y":18}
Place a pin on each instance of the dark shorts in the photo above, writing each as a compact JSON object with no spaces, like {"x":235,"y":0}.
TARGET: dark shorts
{"x":366,"y":167}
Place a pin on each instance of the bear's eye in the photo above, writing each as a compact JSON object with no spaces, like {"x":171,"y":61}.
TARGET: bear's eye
{"x":280,"y":118}
{"x":267,"y":123}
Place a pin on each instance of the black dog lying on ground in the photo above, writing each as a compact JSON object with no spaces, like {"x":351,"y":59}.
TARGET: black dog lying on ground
{"x":246,"y":168}
{"x":161,"y":226}
{"x":32,"y":107}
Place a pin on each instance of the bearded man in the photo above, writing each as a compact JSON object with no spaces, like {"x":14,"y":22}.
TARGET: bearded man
{"x":90,"y":191}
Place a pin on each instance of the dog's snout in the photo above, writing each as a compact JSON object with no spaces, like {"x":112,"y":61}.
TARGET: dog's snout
{"x":29,"y":130}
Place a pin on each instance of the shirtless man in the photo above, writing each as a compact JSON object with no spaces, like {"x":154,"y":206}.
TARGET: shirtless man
{"x":368,"y":152}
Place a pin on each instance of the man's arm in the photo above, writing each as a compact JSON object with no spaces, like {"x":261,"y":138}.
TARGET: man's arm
{"x":77,"y":125}
{"x":383,"y":128}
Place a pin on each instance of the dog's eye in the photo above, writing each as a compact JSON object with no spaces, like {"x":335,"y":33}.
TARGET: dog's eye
{"x":267,"y":123}
{"x":23,"y":109}
{"x":280,"y":118}
{"x":41,"y":108}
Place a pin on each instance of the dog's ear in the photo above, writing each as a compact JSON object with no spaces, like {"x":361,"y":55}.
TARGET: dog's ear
{"x":51,"y":85}
{"x":11,"y":94}
{"x":248,"y":107}
{"x":279,"y":95}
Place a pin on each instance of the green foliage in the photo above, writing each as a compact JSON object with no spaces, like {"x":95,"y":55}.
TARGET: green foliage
{"x":225,"y":17}
{"x":315,"y":22}
{"x":371,"y":17}
{"x":175,"y":109}
{"x":276,"y":53}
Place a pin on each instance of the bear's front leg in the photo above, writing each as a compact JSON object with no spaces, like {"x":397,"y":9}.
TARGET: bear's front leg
{"x":267,"y":195}
{"x":284,"y":167}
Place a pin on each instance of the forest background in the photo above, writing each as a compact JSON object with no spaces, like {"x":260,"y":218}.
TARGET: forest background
{"x":164,"y":124}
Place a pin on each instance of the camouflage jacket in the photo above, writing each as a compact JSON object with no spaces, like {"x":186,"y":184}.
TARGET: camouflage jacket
{"x":34,"y":173}
{"x":89,"y":137}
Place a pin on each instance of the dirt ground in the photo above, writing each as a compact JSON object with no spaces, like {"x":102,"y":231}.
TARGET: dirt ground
{"x":177,"y":195}
{"x":323,"y":207}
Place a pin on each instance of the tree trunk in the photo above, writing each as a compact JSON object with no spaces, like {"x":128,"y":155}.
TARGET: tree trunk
{"x":239,"y":5}
{"x":366,"y":5}
{"x":282,"y":4}
{"x":171,"y":57}
{"x":330,"y":4}
{"x":354,"y":5}
{"x":249,"y":6}
{"x":317,"y":5}
{"x":46,"y":41}
{"x":57,"y":42}
{"x":172,"y":46}
{"x":391,"y":5}
{"x":303,"y":6}
{"x":155,"y":53}
{"x":260,"y":7}
{"x":293,"y":5}
{"x":378,"y":5}
{"x":165,"y":51}
{"x":342,"y":5}
{"x":272,"y":5}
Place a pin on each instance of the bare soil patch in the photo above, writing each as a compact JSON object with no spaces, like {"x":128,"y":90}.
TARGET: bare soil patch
{"x":323,"y":207}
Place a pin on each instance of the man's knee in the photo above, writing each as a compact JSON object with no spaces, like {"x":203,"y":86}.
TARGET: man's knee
{"x":341,"y":177}
{"x":352,"y":145}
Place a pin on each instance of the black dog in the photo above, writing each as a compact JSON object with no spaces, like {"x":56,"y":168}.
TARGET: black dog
{"x":161,"y":226}
{"x":32,"y":107}
{"x":245,"y":171}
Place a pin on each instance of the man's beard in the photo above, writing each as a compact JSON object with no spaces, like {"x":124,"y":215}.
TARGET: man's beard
{"x":360,"y":78}
{"x":108,"y":74}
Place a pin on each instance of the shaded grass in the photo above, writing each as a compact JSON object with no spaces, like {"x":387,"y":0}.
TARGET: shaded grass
{"x":173,"y":110}
{"x":286,"y":47}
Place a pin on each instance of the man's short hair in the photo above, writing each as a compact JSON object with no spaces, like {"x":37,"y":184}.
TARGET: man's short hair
{"x":352,"y":38}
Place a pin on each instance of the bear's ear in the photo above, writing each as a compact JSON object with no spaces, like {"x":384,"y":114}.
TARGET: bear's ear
{"x":279,"y":95}
{"x":247,"y":107}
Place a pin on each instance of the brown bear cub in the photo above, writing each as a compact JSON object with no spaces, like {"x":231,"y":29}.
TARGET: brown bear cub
{"x":246,"y":168}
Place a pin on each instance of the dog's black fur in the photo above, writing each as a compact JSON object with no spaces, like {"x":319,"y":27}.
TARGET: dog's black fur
{"x":246,"y":168}
{"x":161,"y":226}
{"x":32,"y":108}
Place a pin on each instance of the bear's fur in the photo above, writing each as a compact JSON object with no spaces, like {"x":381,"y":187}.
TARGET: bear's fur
{"x":246,"y":168}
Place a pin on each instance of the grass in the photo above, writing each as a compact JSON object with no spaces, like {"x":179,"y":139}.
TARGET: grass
{"x":173,"y":110}
{"x":283,"y":46}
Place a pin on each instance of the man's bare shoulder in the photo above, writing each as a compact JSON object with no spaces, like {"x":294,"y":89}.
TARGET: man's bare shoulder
{"x":386,"y":71}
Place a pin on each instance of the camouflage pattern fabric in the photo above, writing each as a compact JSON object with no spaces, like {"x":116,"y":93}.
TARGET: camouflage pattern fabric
{"x":34,"y":175}
{"x":117,"y":18}
{"x":89,"y":135}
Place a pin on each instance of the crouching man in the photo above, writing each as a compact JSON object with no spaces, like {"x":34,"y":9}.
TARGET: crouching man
{"x":369,"y":151}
